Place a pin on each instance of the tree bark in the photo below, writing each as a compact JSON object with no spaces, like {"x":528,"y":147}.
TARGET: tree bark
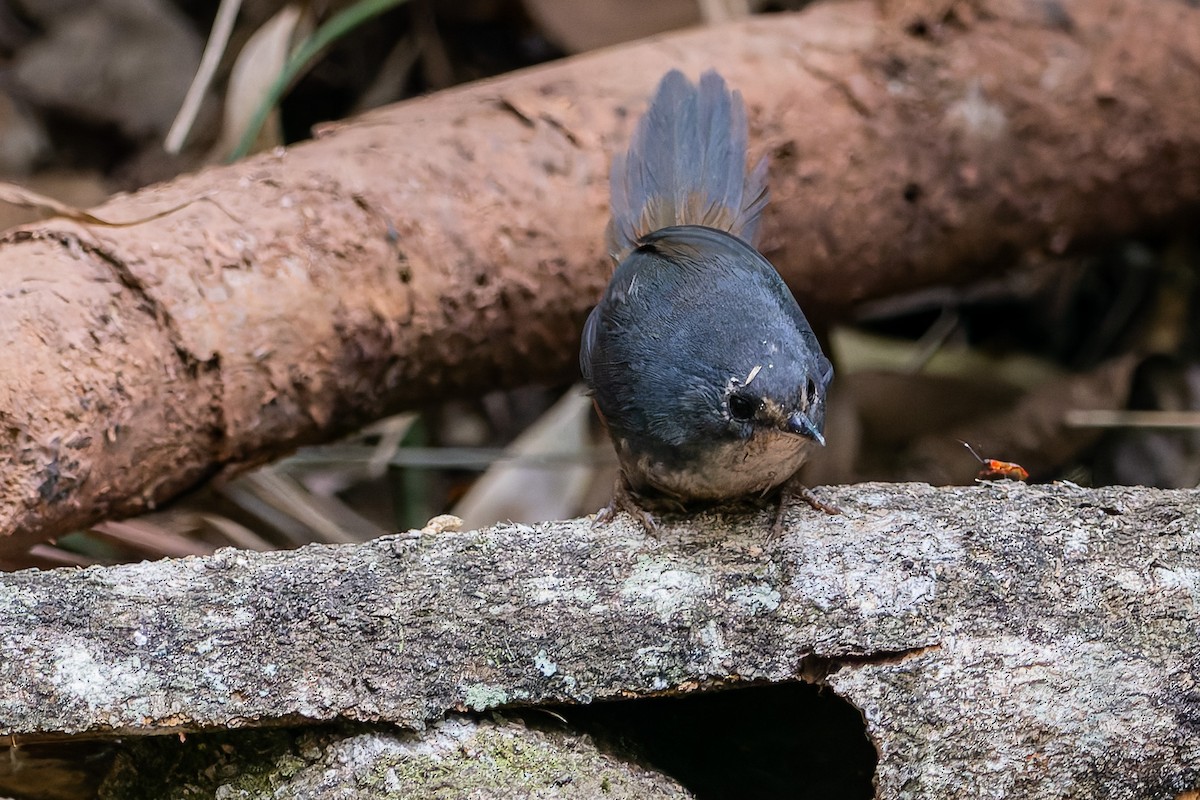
{"x":454,"y":243}
{"x":1040,"y":639}
{"x":454,"y":758}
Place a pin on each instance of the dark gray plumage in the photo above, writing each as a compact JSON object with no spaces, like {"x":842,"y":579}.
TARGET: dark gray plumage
{"x":686,"y":165}
{"x":701,"y":363}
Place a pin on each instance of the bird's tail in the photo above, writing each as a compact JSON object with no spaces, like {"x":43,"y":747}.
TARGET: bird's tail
{"x":686,"y":165}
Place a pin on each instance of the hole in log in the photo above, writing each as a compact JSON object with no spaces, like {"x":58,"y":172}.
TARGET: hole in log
{"x":792,"y":740}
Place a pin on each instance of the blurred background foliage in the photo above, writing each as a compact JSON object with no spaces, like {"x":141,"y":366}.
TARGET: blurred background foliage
{"x":1081,"y":368}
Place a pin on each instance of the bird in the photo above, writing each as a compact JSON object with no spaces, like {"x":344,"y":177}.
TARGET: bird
{"x":699,"y":360}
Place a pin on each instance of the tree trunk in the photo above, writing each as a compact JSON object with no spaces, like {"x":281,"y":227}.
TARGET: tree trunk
{"x":454,"y":243}
{"x":999,"y":640}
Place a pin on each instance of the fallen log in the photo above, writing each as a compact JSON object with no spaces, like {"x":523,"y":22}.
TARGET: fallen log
{"x":454,"y":243}
{"x":999,"y":640}
{"x":454,"y":758}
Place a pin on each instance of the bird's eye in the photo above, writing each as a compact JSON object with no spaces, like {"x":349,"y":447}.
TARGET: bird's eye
{"x":742,"y":406}
{"x":810,"y":390}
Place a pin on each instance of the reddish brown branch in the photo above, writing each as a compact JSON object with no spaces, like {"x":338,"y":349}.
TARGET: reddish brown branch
{"x":454,"y":243}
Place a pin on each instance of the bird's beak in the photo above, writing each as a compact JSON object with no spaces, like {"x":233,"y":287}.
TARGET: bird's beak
{"x":800,"y":423}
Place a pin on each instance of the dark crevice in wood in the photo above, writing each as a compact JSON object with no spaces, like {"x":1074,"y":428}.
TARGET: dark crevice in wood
{"x":790,"y":740}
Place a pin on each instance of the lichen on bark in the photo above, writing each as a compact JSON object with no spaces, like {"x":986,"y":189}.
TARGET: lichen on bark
{"x":1040,"y":638}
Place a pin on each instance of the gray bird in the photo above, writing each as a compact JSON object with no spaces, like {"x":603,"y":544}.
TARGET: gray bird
{"x":701,"y":364}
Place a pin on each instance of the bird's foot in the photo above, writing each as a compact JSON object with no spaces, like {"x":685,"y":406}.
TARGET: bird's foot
{"x":624,"y":499}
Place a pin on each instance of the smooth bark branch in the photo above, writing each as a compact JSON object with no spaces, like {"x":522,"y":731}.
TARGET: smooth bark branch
{"x":454,"y":243}
{"x":1041,"y":640}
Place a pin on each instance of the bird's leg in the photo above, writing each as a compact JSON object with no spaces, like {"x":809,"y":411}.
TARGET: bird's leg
{"x":794,"y":489}
{"x":624,"y":499}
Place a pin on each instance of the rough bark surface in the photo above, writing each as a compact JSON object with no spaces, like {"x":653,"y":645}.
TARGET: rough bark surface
{"x":455,"y":242}
{"x":1000,"y":640}
{"x":453,"y":759}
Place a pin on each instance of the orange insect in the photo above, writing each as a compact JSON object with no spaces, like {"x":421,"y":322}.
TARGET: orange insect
{"x":996,"y":470}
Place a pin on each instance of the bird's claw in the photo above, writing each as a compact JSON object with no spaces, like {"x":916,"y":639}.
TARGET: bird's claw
{"x":625,"y":500}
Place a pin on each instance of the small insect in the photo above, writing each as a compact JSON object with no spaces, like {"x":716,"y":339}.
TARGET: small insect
{"x":996,"y":470}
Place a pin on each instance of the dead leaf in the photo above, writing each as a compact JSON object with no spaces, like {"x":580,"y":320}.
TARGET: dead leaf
{"x":218,"y":39}
{"x":531,"y":491}
{"x":260,"y":62}
{"x":124,"y":62}
{"x":145,"y":536}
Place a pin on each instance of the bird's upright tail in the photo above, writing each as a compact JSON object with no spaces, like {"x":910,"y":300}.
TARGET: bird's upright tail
{"x":686,"y":165}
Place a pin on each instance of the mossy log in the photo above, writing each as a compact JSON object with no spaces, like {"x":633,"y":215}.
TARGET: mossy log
{"x":999,"y":640}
